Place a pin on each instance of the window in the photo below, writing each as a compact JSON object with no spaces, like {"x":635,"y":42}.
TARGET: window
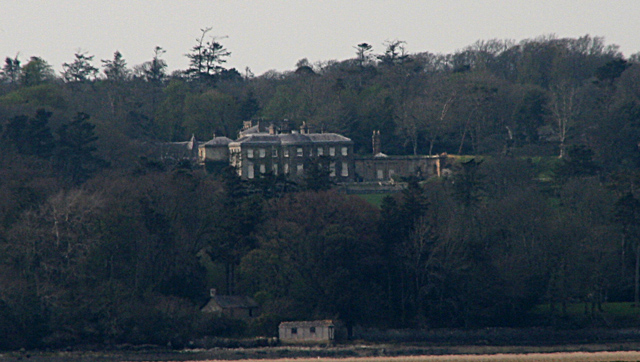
{"x":380,"y":174}
{"x":250,"y":153}
{"x":274,"y":152}
{"x":332,"y":169}
{"x":275,"y":169}
{"x":312,"y":329}
{"x":285,"y":168}
{"x":263,"y":168}
{"x":299,"y":152}
{"x":344,"y":171}
{"x":262,"y":153}
{"x":286,"y":152}
{"x":299,"y":169}
{"x":332,"y":151}
{"x":250,"y":170}
{"x":345,"y":151}
{"x":294,"y":330}
{"x":320,"y":151}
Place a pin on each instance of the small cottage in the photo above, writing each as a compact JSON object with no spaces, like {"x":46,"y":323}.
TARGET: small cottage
{"x":322,"y":331}
{"x":231,"y":306}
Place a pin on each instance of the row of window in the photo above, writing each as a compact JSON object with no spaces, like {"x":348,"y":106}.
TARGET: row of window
{"x":295,"y":330}
{"x":344,"y":170}
{"x":262,"y":152}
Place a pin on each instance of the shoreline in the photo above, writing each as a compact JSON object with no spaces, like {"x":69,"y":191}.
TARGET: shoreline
{"x":624,"y":351}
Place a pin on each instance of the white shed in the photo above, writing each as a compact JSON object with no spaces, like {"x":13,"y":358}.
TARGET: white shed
{"x":307,"y":331}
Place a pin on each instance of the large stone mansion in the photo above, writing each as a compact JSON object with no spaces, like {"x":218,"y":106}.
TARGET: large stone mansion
{"x":278,"y":149}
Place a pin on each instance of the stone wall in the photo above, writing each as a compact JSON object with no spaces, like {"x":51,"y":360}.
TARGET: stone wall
{"x":393,"y":168}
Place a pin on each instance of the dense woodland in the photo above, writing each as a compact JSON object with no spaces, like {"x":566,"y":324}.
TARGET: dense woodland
{"x":102,"y":244}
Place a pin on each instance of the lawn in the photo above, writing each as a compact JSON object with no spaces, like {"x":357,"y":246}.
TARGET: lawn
{"x":373,"y":199}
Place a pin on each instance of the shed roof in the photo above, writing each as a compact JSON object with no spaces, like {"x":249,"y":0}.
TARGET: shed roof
{"x":318,"y":323}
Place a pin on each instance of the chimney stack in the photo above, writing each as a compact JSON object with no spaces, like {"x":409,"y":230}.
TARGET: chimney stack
{"x":375,"y":142}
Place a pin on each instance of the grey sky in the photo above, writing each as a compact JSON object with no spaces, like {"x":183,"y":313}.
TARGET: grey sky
{"x":271,"y":34}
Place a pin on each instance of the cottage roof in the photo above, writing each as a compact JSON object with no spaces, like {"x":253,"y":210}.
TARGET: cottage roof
{"x":188,"y":145}
{"x":319,"y":323}
{"x":178,"y":150}
{"x":230,"y":302}
{"x":218,"y":141}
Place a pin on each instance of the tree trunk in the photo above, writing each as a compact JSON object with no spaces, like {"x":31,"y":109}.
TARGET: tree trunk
{"x":636,"y":294}
{"x":622,"y":256}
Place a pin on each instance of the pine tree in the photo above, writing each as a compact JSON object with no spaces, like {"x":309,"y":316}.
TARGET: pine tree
{"x":75,"y":152}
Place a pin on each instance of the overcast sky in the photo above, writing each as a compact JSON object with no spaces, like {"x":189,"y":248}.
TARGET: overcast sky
{"x":275,"y":34}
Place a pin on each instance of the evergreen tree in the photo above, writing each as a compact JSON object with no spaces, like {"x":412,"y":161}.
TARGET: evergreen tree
{"x":31,"y":136}
{"x":75,"y":152}
{"x":249,"y":106}
{"x":10,"y":72}
{"x":578,"y":163}
{"x":116,"y":69}
{"x":317,"y":176}
{"x":155,"y":70}
{"x":206,"y":57}
{"x":627,"y":214}
{"x":36,"y":71}
{"x":42,"y":141}
{"x":467,"y":183}
{"x":15,"y":133}
{"x":80,"y":70}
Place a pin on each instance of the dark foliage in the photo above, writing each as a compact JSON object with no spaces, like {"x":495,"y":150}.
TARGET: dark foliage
{"x":101,"y":242}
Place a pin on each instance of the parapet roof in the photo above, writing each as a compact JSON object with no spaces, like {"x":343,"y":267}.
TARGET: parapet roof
{"x":291,"y":138}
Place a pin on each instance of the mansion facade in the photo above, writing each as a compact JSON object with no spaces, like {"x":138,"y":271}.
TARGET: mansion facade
{"x":278,"y":150}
